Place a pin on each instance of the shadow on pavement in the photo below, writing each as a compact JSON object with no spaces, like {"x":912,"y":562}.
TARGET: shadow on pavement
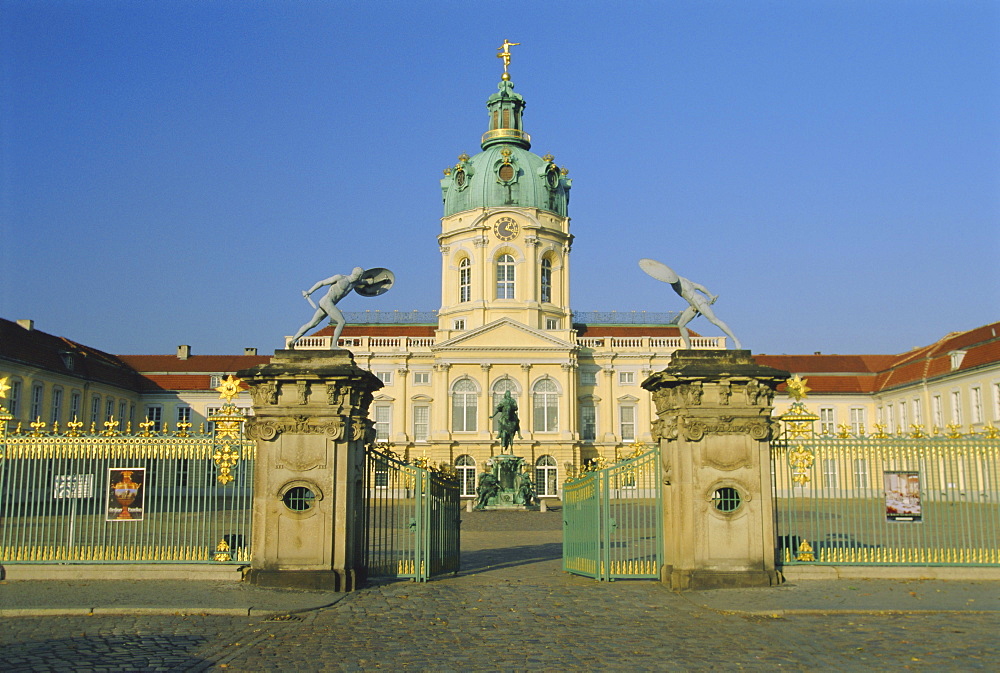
{"x":485,"y":560}
{"x":104,"y":652}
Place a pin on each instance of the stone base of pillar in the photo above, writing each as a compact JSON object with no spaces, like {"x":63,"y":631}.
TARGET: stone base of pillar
{"x":316,"y":580}
{"x":682,"y":580}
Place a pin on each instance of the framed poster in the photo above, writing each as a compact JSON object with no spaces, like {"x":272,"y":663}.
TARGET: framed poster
{"x":126,"y":491}
{"x":902,"y":496}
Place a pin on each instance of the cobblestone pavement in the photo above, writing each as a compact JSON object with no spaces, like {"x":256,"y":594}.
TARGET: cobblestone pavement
{"x":511,"y":609}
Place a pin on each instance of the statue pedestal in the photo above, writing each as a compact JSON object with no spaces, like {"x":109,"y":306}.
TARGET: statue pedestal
{"x":311,"y":425}
{"x":511,"y":491}
{"x":713,"y":425}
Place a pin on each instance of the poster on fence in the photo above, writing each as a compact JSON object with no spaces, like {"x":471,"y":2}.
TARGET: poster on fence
{"x":902,"y":496}
{"x":126,"y":490}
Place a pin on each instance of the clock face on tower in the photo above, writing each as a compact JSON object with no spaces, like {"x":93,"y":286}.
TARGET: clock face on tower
{"x":506,"y":228}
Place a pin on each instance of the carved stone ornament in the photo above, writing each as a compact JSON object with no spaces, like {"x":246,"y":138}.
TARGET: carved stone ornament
{"x":694,"y":429}
{"x":268,"y":429}
{"x":264,"y":393}
{"x":304,"y":389}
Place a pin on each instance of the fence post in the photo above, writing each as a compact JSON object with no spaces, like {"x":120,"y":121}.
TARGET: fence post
{"x":713,"y":425}
{"x":311,"y":426}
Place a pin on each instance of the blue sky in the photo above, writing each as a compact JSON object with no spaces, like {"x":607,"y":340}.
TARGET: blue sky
{"x":177,"y":172}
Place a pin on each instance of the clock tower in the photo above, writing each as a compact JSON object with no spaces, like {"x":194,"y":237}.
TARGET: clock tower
{"x":505,"y":238}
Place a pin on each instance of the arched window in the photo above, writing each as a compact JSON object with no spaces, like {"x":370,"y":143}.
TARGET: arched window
{"x":546,"y":476}
{"x":545,"y":406}
{"x":466,"y":468}
{"x":505,"y":277}
{"x":465,"y":280}
{"x":464,"y":406}
{"x":500,"y":387}
{"x":546,"y":280}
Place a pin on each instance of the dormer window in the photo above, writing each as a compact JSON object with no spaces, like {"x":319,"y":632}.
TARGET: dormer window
{"x":956,"y":359}
{"x":67,"y":360}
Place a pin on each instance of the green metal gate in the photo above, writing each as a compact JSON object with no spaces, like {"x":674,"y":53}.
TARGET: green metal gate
{"x":613,"y":520}
{"x":413,"y":517}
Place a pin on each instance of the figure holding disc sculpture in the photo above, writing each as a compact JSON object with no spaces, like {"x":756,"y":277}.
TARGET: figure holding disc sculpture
{"x":508,"y":423}
{"x":688,"y":290}
{"x":370,"y":283}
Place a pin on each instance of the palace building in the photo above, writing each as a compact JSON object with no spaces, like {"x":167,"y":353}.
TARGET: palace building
{"x":505,"y":324}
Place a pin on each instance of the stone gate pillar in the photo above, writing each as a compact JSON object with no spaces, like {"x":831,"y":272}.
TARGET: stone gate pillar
{"x":713,"y":425}
{"x":311,"y":425}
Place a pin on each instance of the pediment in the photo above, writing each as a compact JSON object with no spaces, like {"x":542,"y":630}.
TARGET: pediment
{"x":505,"y":334}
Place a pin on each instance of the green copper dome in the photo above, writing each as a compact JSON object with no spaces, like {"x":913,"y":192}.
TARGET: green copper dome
{"x":505,"y":173}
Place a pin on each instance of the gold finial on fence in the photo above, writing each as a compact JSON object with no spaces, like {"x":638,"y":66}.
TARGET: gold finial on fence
{"x":37,"y":427}
{"x":797,"y":388}
{"x":917,"y":431}
{"x":991,"y":432}
{"x":954,"y":431}
{"x":880,"y":431}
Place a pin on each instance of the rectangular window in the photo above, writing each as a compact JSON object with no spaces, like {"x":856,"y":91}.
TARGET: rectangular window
{"x":459,"y":324}
{"x":551,"y":323}
{"x":890,"y":419}
{"x":95,"y":410}
{"x":57,"y":397}
{"x":122,"y":414}
{"x":154,"y":414}
{"x":858,"y":420}
{"x":109,"y":409}
{"x":826,"y":421}
{"x":902,"y":417}
{"x":74,"y":405}
{"x":956,"y":407}
{"x":36,"y":401}
{"x":14,"y":398}
{"x":918,"y":412}
{"x":588,"y":377}
{"x":937,"y":412}
{"x":626,"y":378}
{"x":421,"y":423}
{"x":830,"y":473}
{"x":977,"y":405}
{"x":626,"y":418}
{"x":383,"y":415}
{"x":184,"y":414}
{"x":215,"y":380}
{"x":209,"y":412}
{"x":996,"y":401}
{"x":421,"y":378}
{"x":588,"y":422}
{"x":384,"y":377}
{"x":860,"y":473}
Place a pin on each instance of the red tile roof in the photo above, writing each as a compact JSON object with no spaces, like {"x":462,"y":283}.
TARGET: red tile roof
{"x":875,"y":373}
{"x":62,"y":356}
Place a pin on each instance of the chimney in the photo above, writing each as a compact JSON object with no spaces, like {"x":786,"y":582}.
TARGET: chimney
{"x":27,"y":324}
{"x":249,"y":351}
{"x":183,"y":352}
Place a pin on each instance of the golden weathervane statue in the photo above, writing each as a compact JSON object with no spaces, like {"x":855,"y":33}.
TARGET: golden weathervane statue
{"x":504,"y":50}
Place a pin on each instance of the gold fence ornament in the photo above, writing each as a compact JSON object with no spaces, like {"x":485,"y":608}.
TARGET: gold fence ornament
{"x":954,"y":431}
{"x":222,"y":550}
{"x":801,"y":460}
{"x":805,"y":552}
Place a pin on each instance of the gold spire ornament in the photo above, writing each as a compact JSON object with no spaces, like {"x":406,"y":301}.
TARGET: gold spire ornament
{"x":797,"y":388}
{"x":504,"y":53}
{"x":229,"y":389}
